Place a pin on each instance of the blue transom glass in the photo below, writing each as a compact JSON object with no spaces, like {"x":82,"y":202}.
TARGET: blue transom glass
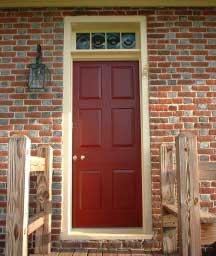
{"x":128,"y":40}
{"x":113,"y":40}
{"x":98,"y":40}
{"x":83,"y":41}
{"x":109,"y":40}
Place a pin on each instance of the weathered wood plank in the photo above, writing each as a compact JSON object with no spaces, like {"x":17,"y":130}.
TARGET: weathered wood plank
{"x":140,"y":254}
{"x":80,"y":253}
{"x":50,"y":254}
{"x":171,"y":208}
{"x":40,"y":201}
{"x":124,"y":253}
{"x":205,"y":217}
{"x":55,"y":254}
{"x":67,"y":253}
{"x":44,"y":196}
{"x":207,"y":170}
{"x":168,"y":189}
{"x":170,"y":221}
{"x":170,"y":240}
{"x":95,"y":253}
{"x":168,"y":174}
{"x":17,"y":195}
{"x":208,"y":233}
{"x":188,"y":195}
{"x":36,"y":222}
{"x":110,"y":253}
{"x":37,"y":164}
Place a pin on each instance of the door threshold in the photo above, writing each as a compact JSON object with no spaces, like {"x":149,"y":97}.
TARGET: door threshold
{"x":106,"y":233}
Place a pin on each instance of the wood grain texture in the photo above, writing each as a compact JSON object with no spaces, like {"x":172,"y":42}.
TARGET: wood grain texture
{"x":44,"y":196}
{"x":171,"y":208}
{"x":37,"y":164}
{"x":188,"y":195}
{"x":110,"y":253}
{"x":141,"y":254}
{"x":17,"y":196}
{"x":207,"y":170}
{"x":80,"y":253}
{"x":170,"y":240}
{"x":169,"y":221}
{"x":50,"y":254}
{"x":205,"y":217}
{"x":169,"y":197}
{"x":208,"y":233}
{"x":168,"y":174}
{"x":36,"y":222}
{"x":94,"y":253}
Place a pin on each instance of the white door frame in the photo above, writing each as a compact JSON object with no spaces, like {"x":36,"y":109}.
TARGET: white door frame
{"x":70,"y":54}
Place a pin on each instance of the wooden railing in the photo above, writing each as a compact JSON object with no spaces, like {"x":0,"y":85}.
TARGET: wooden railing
{"x":18,"y":223}
{"x":184,"y":224}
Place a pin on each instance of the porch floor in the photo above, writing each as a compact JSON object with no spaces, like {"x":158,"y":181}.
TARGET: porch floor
{"x":94,"y":253}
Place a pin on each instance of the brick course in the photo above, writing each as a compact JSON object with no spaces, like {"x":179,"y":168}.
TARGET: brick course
{"x":182,"y":82}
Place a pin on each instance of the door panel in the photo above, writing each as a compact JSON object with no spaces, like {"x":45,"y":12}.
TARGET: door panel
{"x":106,"y":132}
{"x":90,"y":188}
{"x":90,"y":90}
{"x":122,"y":82}
{"x":124,"y":198}
{"x":123,"y":127}
{"x":90,"y":127}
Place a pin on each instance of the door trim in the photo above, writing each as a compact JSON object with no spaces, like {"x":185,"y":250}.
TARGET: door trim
{"x":68,"y":232}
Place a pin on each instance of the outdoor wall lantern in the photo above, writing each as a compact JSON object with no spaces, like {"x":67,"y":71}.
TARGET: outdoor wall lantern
{"x":39,"y":74}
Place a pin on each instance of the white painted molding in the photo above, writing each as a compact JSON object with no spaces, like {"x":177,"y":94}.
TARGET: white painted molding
{"x":69,"y":56}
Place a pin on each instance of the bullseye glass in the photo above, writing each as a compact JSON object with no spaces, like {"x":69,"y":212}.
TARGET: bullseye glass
{"x":109,"y":40}
{"x":128,"y":41}
{"x":98,"y":40}
{"x":83,"y":41}
{"x":113,"y":40}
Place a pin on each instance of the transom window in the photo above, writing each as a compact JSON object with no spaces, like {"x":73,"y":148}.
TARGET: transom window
{"x":105,"y":40}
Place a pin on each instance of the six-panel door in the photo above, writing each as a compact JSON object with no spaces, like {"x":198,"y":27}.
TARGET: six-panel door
{"x":106,"y":142}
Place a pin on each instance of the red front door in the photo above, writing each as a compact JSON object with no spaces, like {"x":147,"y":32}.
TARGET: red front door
{"x":106,"y":142}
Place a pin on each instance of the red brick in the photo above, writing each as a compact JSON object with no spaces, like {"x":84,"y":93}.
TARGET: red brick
{"x":18,"y":121}
{"x":32,"y":127}
{"x":18,"y":109}
{"x":45,"y":133}
{"x":207,"y":190}
{"x":33,"y":115}
{"x":162,"y":106}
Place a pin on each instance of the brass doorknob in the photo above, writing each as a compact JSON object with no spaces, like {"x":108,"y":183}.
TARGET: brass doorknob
{"x":75,"y":158}
{"x":82,"y":157}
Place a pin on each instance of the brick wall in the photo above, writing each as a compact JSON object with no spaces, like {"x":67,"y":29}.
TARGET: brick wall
{"x":182,"y":81}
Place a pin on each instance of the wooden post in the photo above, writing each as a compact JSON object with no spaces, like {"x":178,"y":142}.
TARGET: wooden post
{"x":17,"y":196}
{"x":44,"y":197}
{"x":168,"y":174}
{"x":188,"y":195}
{"x":168,"y":185}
